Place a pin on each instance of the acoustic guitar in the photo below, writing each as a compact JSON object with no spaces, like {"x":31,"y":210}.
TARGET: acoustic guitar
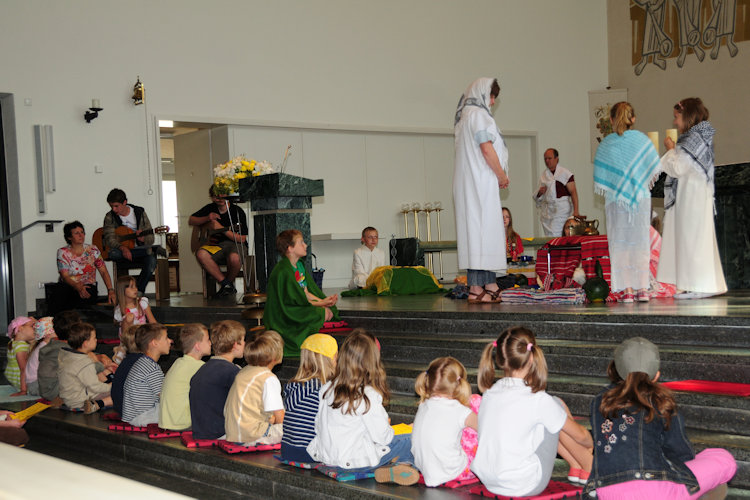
{"x":202,"y":234}
{"x":125,"y":235}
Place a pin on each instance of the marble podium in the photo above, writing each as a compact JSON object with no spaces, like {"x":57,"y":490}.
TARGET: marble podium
{"x":278,"y":202}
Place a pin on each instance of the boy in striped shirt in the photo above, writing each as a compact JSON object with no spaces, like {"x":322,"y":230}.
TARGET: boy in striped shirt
{"x":140,"y":402}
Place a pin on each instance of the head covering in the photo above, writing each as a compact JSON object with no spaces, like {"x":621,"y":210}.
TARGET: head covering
{"x":322,"y":344}
{"x":626,"y":167}
{"x":698,"y":143}
{"x":16,"y":324}
{"x":637,"y":355}
{"x":478,"y":94}
{"x":44,"y":327}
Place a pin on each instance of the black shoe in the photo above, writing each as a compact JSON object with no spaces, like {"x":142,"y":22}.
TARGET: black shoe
{"x":226,"y":291}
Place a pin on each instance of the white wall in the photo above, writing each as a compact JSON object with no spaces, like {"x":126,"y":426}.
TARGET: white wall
{"x":346,"y":63}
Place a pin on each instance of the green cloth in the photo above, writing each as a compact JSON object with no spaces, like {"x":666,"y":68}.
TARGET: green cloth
{"x":287,"y":309}
{"x":395,"y":280}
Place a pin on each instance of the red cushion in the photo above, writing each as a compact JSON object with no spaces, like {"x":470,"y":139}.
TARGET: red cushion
{"x":228,"y":447}
{"x":187,"y":440}
{"x":156,"y":432}
{"x":126,"y":427}
{"x":729,"y":388}
{"x":554,"y":490}
{"x":456,"y":483}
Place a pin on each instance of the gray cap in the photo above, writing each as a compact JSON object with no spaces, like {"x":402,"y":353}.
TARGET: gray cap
{"x":637,"y":355}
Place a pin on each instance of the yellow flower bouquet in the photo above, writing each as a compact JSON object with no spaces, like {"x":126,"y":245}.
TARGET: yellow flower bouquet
{"x":227,"y":175}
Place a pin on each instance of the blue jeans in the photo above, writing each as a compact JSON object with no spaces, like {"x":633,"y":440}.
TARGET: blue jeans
{"x":478,"y":277}
{"x":141,"y":258}
{"x":400,"y":450}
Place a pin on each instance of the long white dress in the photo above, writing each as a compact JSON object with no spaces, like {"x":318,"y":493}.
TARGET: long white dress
{"x":480,"y":232}
{"x":689,"y":253}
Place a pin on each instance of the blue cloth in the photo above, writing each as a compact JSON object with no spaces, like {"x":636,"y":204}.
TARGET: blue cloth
{"x":118,"y":383}
{"x":625,"y":168}
{"x":209,"y":388}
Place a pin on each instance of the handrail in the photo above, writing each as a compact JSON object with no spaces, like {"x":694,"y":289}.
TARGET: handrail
{"x":49,"y":223}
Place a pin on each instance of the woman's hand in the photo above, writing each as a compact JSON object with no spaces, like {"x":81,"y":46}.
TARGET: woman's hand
{"x":668,"y":143}
{"x":502,"y":180}
{"x":82,"y":291}
{"x":111,"y":297}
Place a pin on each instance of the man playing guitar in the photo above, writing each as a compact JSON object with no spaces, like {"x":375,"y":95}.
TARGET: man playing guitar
{"x":135,"y":218}
{"x":221,"y":247}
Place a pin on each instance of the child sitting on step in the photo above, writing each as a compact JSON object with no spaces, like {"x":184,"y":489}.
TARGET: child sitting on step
{"x":254,"y":410}
{"x":301,"y":395}
{"x":443,"y":414}
{"x":43,"y":334}
{"x":142,"y":390}
{"x":80,"y":386}
{"x":521,"y":427}
{"x":211,"y":383}
{"x":640,"y":446}
{"x":174,"y":404}
{"x":21,"y":334}
{"x":130,"y":310}
{"x":132,"y":354}
{"x":352,"y":428}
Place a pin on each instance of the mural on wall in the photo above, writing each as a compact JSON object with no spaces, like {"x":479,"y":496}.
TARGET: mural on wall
{"x":666,"y":29}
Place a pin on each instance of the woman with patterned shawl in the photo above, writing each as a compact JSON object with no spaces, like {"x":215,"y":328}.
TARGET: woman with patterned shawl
{"x":295,"y":306}
{"x":480,"y":173}
{"x":625,"y":167}
{"x":689,"y":253}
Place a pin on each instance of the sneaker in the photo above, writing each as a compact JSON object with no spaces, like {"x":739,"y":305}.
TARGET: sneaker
{"x":573,"y":475}
{"x":693,"y":295}
{"x":628,"y":298}
{"x":402,"y":474}
{"x":90,"y":406}
{"x":643,"y":296}
{"x":226,"y":291}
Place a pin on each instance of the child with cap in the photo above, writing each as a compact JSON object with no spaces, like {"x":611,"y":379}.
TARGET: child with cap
{"x":21,"y":334}
{"x":43,"y":334}
{"x":316,"y":367}
{"x":640,"y":448}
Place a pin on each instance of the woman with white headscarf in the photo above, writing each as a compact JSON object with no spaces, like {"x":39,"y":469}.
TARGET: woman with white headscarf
{"x":480,"y":173}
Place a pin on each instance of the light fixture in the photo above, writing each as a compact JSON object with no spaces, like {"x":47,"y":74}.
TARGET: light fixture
{"x":166,"y":124}
{"x":93,"y":111}
{"x":139,"y":92}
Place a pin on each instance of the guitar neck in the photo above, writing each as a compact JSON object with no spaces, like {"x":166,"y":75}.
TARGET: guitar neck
{"x":132,"y":236}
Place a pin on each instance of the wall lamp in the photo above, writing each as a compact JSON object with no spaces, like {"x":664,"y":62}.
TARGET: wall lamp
{"x":93,"y":111}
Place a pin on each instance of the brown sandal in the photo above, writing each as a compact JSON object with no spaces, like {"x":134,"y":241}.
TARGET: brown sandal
{"x":495,"y":295}
{"x":480,"y":296}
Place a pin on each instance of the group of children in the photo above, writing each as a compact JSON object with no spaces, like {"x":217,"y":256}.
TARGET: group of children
{"x":333,"y":410}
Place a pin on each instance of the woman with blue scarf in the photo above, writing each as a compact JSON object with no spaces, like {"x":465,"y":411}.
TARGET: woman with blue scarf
{"x":626,"y":166}
{"x":689,"y":253}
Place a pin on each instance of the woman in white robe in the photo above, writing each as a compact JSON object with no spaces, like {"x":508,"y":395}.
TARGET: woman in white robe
{"x":689,"y":253}
{"x":480,"y":173}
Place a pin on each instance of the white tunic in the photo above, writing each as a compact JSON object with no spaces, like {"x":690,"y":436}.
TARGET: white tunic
{"x":554,"y":211}
{"x":480,"y":232}
{"x":363,"y":263}
{"x":689,"y":253}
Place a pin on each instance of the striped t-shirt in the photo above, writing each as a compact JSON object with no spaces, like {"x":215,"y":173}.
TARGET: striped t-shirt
{"x":301,"y":405}
{"x":12,"y":370}
{"x":142,"y":388}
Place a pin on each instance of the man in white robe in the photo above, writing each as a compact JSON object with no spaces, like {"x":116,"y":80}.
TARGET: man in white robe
{"x":480,"y":172}
{"x":556,"y":197}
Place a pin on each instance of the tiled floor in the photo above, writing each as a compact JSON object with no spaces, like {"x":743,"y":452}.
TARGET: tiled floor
{"x":735,"y":304}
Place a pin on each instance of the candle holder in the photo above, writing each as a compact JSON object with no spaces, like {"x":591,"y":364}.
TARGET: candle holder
{"x":416,"y":208}
{"x":405,"y":209}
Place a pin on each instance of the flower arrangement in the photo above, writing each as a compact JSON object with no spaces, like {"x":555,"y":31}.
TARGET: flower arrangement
{"x":601,"y":114}
{"x":227,"y":175}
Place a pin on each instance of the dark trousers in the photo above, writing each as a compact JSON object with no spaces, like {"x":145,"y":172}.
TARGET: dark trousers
{"x":141,"y":259}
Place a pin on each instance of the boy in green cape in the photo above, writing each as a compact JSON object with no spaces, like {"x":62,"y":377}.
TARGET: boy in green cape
{"x":295,"y":306}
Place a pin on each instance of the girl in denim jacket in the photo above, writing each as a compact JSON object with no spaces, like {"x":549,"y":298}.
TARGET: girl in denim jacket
{"x":640,"y":447}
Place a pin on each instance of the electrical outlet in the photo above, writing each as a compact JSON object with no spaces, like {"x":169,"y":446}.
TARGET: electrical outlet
{"x":40,"y":285}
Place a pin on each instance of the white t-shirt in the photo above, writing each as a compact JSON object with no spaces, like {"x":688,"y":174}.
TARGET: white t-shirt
{"x":436,"y":439}
{"x":512,"y":421}
{"x":272,"y":395}
{"x":354,"y":440}
{"x":129,"y":220}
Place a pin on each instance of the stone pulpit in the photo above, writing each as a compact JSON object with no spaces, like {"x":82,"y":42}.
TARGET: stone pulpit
{"x":278,"y":202}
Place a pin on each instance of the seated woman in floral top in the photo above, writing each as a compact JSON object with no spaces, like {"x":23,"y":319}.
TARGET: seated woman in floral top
{"x":77,"y":264}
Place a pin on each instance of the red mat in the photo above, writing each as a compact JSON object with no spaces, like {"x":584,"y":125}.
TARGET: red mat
{"x":456,"y":483}
{"x":728,"y":388}
{"x":190,"y":442}
{"x":554,"y":490}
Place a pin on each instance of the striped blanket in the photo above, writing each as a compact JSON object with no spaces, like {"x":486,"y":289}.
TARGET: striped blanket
{"x":534,"y":296}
